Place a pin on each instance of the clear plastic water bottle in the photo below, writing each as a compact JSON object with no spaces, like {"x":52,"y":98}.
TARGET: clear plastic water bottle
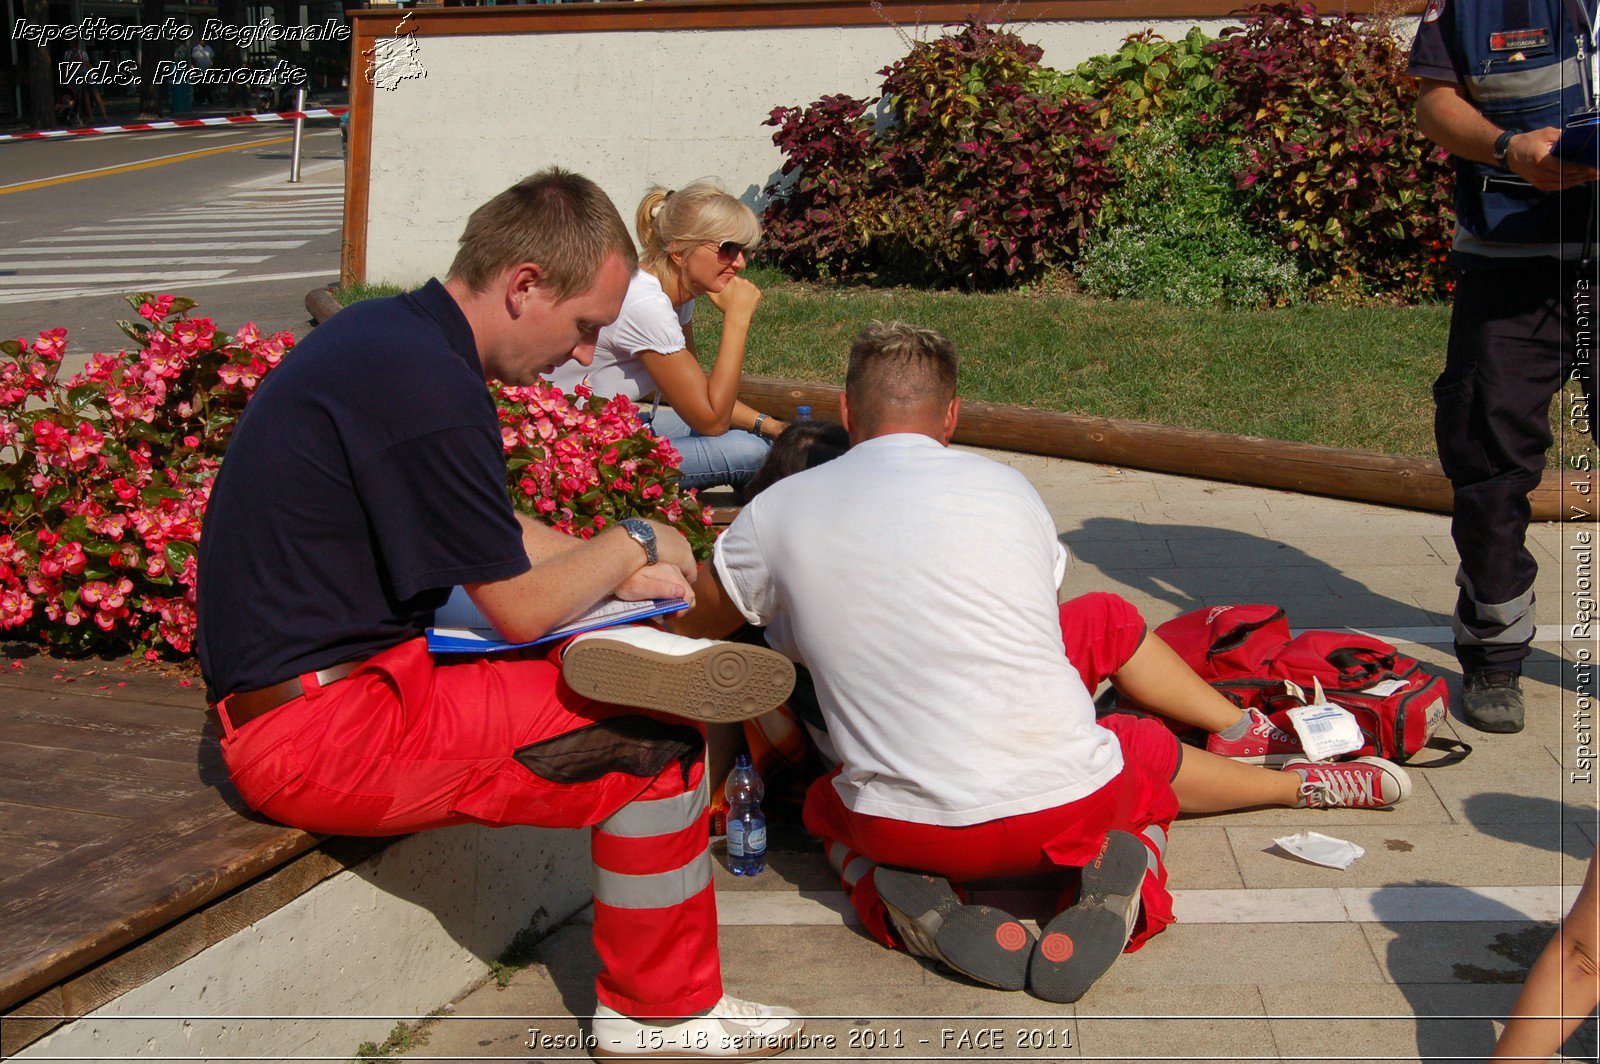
{"x":747,"y":827}
{"x":802,"y":413}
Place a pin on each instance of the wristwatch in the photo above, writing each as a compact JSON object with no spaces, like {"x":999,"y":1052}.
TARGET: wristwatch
{"x":639,"y":530}
{"x":755,"y":427}
{"x":1502,"y":144}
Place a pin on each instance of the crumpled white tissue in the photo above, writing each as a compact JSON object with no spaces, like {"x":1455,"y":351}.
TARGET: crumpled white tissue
{"x":1321,"y":849}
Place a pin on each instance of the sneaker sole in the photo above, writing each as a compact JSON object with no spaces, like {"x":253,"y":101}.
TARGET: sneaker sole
{"x":981,"y":942}
{"x":719,"y":684}
{"x":1079,"y":946}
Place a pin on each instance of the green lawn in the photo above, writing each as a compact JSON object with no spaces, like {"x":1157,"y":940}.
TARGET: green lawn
{"x":1346,"y":377}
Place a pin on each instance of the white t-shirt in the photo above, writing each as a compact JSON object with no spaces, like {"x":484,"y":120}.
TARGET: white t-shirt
{"x":648,"y":322}
{"x":918,"y":583}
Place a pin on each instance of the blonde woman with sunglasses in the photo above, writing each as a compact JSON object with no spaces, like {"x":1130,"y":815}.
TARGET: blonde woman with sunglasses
{"x":695,"y":241}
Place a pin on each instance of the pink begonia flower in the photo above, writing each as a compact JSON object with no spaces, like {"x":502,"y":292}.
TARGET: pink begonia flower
{"x":106,"y":620}
{"x":16,"y":608}
{"x":73,"y":559}
{"x":50,"y":344}
{"x":52,"y":438}
{"x":652,"y":491}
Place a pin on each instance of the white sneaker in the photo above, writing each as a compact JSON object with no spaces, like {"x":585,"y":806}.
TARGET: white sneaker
{"x":701,"y":679}
{"x":730,"y":1030}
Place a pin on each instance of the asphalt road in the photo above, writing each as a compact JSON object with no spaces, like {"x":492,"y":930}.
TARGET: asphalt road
{"x":207,"y":213}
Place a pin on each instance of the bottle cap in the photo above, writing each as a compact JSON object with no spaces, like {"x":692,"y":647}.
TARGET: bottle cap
{"x":743,"y":761}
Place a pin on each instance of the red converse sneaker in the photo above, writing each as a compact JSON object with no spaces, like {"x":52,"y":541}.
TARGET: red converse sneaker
{"x":1263,"y":743}
{"x":1365,"y":783}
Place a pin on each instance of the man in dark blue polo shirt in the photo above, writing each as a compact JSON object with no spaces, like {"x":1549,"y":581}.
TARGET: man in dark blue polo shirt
{"x":366,"y":479}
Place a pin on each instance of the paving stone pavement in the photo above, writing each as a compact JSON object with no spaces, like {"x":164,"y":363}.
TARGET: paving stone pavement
{"x":1414,"y":952}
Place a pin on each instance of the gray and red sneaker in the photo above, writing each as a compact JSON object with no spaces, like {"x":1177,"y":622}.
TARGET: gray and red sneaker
{"x":1264,"y":743}
{"x":1365,"y":783}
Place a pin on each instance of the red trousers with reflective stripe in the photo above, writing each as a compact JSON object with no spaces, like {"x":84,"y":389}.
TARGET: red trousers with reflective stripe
{"x":408,"y":742}
{"x":1099,"y":632}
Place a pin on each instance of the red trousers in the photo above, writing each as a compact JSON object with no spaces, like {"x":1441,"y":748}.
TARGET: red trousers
{"x":1100,"y":632}
{"x":408,"y":742}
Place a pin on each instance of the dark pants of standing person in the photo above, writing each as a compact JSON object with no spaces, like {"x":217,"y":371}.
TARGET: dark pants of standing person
{"x":1519,"y":330}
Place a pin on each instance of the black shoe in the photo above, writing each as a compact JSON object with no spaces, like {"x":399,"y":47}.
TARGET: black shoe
{"x":979,"y":941}
{"x":1080,"y":944}
{"x":1491,"y":701}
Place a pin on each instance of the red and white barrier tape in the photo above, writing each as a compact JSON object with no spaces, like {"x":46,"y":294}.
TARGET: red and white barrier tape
{"x":179,"y":123}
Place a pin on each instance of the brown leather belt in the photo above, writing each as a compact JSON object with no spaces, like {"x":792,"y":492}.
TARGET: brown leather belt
{"x":245,"y":706}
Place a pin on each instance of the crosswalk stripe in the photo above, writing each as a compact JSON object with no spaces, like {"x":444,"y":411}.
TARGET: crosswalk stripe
{"x":216,"y":231}
{"x":249,"y":245}
{"x":142,"y":279}
{"x":187,"y":260}
{"x":231,"y":236}
{"x":303,"y":190}
{"x":245,"y":216}
{"x":7,"y":296}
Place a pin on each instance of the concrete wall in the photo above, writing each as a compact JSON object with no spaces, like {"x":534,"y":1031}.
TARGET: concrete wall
{"x":396,"y":937}
{"x":626,"y":108}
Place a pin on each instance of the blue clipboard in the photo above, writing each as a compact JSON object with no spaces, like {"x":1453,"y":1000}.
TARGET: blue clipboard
{"x":488,"y":641}
{"x":1580,"y":140}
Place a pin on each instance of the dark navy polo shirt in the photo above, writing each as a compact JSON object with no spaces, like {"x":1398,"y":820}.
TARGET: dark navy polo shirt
{"x":365,"y":479}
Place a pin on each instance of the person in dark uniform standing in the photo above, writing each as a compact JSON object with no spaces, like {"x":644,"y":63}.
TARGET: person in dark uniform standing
{"x":1499,"y":78}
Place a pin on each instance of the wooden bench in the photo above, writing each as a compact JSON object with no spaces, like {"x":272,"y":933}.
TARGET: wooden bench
{"x":123,"y":849}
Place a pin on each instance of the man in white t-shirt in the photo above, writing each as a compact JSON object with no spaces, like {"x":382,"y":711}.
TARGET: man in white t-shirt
{"x":919,"y":585}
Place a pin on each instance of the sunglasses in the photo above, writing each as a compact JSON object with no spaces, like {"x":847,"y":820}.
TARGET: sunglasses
{"x":729,"y":250}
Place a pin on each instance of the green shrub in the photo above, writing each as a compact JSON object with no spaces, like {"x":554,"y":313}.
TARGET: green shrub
{"x":979,"y":180}
{"x":1149,"y":77}
{"x":1173,"y":230}
{"x":1325,"y":115}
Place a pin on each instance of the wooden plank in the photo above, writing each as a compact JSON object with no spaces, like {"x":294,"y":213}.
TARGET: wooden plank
{"x":90,"y":782}
{"x":1304,"y":467}
{"x":20,"y":858}
{"x":30,"y":1021}
{"x":358,"y":161}
{"x":98,"y":681}
{"x":119,"y":708}
{"x":31,"y":836}
{"x":65,"y":916}
{"x":771,"y":14}
{"x":74,"y":726}
{"x":164,"y":950}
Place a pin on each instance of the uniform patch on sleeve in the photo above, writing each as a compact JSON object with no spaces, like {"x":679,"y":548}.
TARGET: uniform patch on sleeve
{"x":1434,"y":10}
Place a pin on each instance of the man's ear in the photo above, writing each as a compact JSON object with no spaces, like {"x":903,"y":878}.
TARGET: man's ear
{"x":522,"y":280}
{"x":951,"y":415}
{"x":844,"y":412}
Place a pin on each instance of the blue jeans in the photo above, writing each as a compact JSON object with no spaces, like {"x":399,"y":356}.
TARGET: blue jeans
{"x":708,"y":461}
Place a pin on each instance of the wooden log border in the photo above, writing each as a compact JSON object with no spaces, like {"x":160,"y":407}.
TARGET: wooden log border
{"x":1364,"y":476}
{"x":1309,"y":468}
{"x":372,"y":24}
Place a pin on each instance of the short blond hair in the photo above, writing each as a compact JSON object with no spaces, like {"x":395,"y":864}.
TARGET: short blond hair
{"x":899,"y":371}
{"x":670,"y":220}
{"x":556,"y":219}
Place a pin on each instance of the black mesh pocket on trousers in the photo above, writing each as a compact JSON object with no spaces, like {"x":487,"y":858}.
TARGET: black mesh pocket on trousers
{"x":638,"y":746}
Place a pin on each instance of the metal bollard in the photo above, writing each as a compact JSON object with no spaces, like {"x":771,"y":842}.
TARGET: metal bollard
{"x":299,"y":129}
